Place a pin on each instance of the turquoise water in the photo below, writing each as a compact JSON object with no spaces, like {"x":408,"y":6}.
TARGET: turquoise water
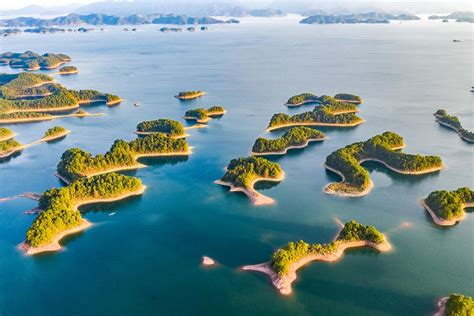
{"x":146,"y":258}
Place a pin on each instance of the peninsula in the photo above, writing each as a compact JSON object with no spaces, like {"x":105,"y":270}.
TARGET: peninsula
{"x":33,"y":61}
{"x":447,"y":207}
{"x":242,"y":174}
{"x":381,"y":148}
{"x":296,"y":137}
{"x":188,"y":95}
{"x":68,"y":70}
{"x":170,"y":127}
{"x":455,"y":305}
{"x":286,"y":261}
{"x":61,"y":216}
{"x":76,"y":163}
{"x":443,"y":118}
{"x":26,"y":117}
{"x":201,"y":115}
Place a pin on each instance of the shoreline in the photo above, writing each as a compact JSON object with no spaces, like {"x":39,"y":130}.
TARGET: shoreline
{"x":8,"y":137}
{"x":255,"y":197}
{"x":350,"y":101}
{"x":285,"y":151}
{"x":345,"y":194}
{"x":194,"y":96}
{"x":419,"y":172}
{"x":453,"y":128}
{"x":283,"y":283}
{"x":441,"y":221}
{"x":206,"y":120}
{"x":292,"y":105}
{"x":47,"y":118}
{"x":54,"y":244}
{"x":39,"y":141}
{"x":272,"y":128}
{"x":71,"y":72}
{"x":441,"y":303}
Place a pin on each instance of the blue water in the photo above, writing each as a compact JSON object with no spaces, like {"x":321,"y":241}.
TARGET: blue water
{"x":146,"y":258}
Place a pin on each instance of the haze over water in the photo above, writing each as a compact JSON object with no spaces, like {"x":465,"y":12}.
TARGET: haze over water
{"x":146,"y":258}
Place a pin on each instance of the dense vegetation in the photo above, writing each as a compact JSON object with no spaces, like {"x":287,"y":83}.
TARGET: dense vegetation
{"x":170,"y":127}
{"x":53,"y":131}
{"x":189,"y":94}
{"x":203,"y":114}
{"x":59,"y":204}
{"x":459,"y":305}
{"x":5,"y":132}
{"x":353,"y":231}
{"x":348,"y":97}
{"x":68,"y":69}
{"x":17,"y":85}
{"x":242,"y":171}
{"x":23,"y":115}
{"x":32,"y":61}
{"x":381,"y":147}
{"x":76,"y":163}
{"x":304,"y":97}
{"x":449,"y":204}
{"x":8,"y":145}
{"x":453,"y":121}
{"x":296,"y":136}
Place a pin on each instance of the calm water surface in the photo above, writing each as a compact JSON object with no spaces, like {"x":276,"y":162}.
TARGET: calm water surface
{"x":146,"y":258}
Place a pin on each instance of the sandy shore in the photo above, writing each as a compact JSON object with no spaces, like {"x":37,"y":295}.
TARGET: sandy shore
{"x":457,"y":130}
{"x":327,"y":190}
{"x":441,"y":221}
{"x":190,"y":97}
{"x":45,"y":110}
{"x":283,"y":283}
{"x":53,"y":137}
{"x":269,"y":129}
{"x":71,"y":72}
{"x":441,"y":306}
{"x":207,"y":119}
{"x":290,"y":105}
{"x":349,"y":101}
{"x":207,"y":261}
{"x":42,"y":140}
{"x":7,"y":137}
{"x":54,"y":245}
{"x":283,"y":152}
{"x":46,"y":118}
{"x":254,"y":196}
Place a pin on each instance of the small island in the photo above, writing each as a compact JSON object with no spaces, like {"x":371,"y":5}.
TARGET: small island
{"x":296,"y":137}
{"x":6,"y":134}
{"x":61,"y":216}
{"x":447,"y":207}
{"x":201,"y":115}
{"x":301,"y":99}
{"x":188,"y":95}
{"x":443,"y":118}
{"x":455,"y":305}
{"x":54,"y":133}
{"x":286,"y":261}
{"x":76,"y":163}
{"x":356,"y":18}
{"x":347,"y":97}
{"x":33,"y":61}
{"x":242,"y":174}
{"x":170,"y":127}
{"x":9,"y":147}
{"x":68,"y":70}
{"x":346,"y":162}
{"x":308,"y":98}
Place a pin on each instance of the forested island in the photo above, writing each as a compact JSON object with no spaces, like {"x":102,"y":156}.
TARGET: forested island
{"x":306,"y":98}
{"x":61,"y":216}
{"x":242,"y":174}
{"x":33,"y":61}
{"x":201,"y":115}
{"x":467,"y":16}
{"x":346,"y":162}
{"x":68,"y":70}
{"x":8,"y":147}
{"x":188,"y":95}
{"x":330,"y":112}
{"x":6,"y":134}
{"x":443,"y":118}
{"x":55,"y":133}
{"x":76,"y":163}
{"x":455,"y":305}
{"x":447,"y":207}
{"x":366,"y":18}
{"x":286,"y":261}
{"x":296,"y":137}
{"x":25,"y":97}
{"x":170,"y":127}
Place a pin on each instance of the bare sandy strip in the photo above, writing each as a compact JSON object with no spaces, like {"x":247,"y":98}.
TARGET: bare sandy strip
{"x":314,"y":124}
{"x":42,"y":140}
{"x":283,"y":152}
{"x":283,"y":283}
{"x":441,"y":306}
{"x":441,"y":221}
{"x":457,"y":130}
{"x":193,"y":96}
{"x":254,"y":196}
{"x":7,"y":137}
{"x":47,"y":118}
{"x":54,"y":245}
{"x":45,"y":110}
{"x":327,"y":190}
{"x":70,"y":72}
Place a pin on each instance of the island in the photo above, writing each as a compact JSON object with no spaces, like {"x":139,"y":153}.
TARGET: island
{"x":303,"y":98}
{"x":242,"y":174}
{"x":76,"y":163}
{"x":9,"y":147}
{"x":331,"y":112}
{"x":6,"y":134}
{"x":366,"y":18}
{"x":443,"y":118}
{"x":170,"y":127}
{"x":346,"y":162}
{"x":347,"y":97}
{"x":54,"y":133}
{"x":455,"y":305}
{"x":26,"y":117}
{"x":189,"y":95}
{"x":201,"y":115}
{"x":308,"y":98}
{"x":9,"y":32}
{"x":68,"y":70}
{"x":460,"y":16}
{"x":45,"y":30}
{"x":60,"y":216}
{"x":286,"y":261}
{"x":447,"y":207}
{"x":296,"y":137}
{"x":33,"y":61}
{"x":208,"y":261}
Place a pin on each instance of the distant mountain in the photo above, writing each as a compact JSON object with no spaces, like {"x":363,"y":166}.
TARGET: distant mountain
{"x":371,"y":17}
{"x":266,"y":12}
{"x":39,"y":10}
{"x":454,"y":15}
{"x":104,"y":19}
